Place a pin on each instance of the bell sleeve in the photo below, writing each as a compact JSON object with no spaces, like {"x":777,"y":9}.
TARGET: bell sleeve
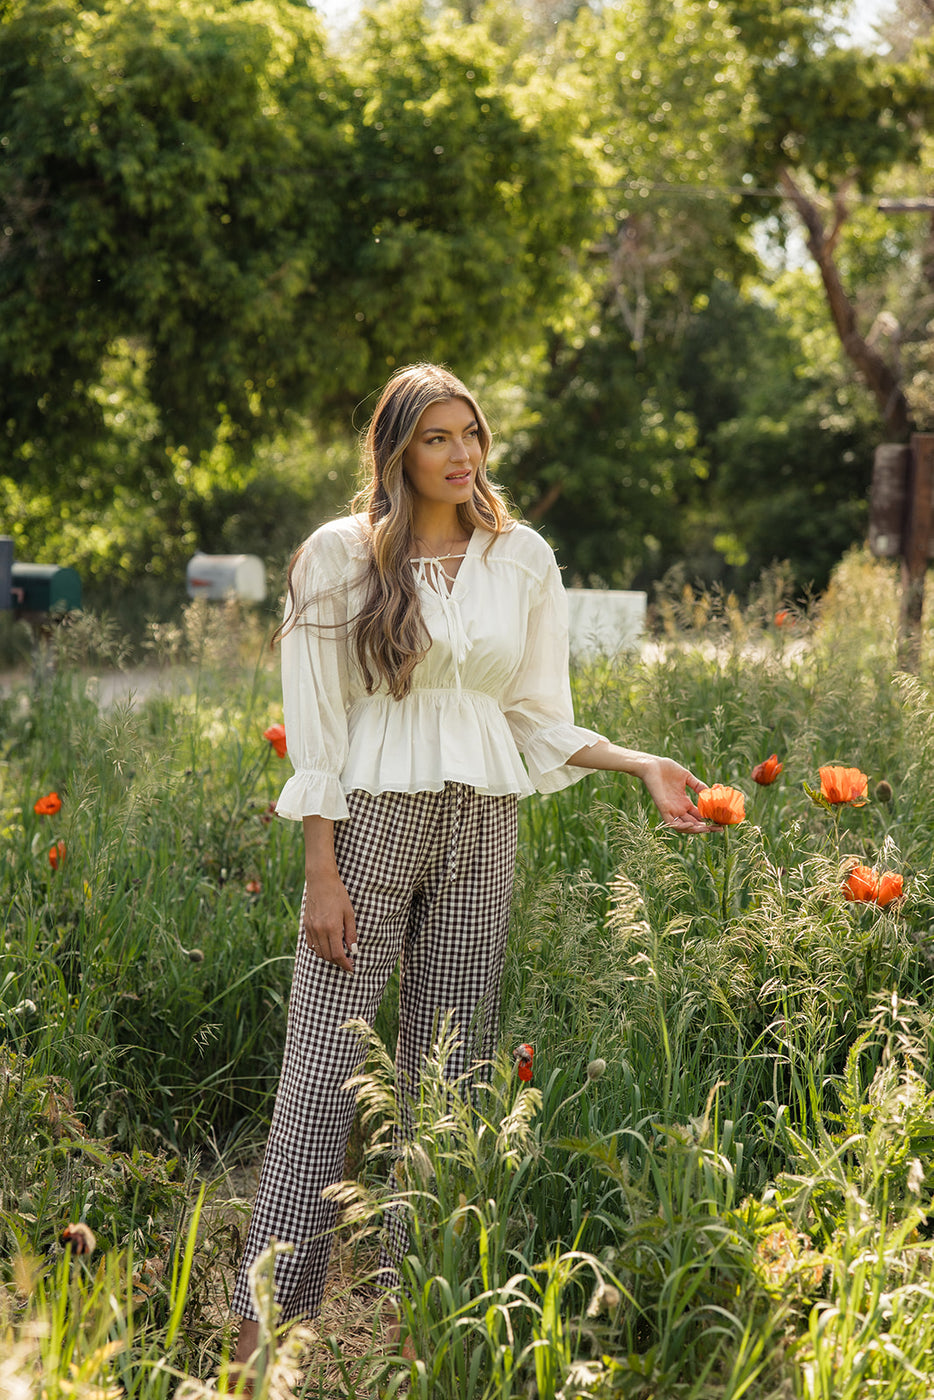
{"x":538,"y":706}
{"x":315,"y":675}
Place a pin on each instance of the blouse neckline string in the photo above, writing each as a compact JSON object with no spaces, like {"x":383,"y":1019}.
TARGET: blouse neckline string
{"x":422,"y":562}
{"x":441,"y":587}
{"x":436,"y":558}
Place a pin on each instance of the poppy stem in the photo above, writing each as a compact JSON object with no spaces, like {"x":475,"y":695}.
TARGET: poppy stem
{"x":836,"y":834}
{"x":727,"y":867}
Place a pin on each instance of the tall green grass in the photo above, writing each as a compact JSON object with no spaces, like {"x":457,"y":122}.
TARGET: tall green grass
{"x":720,"y":1182}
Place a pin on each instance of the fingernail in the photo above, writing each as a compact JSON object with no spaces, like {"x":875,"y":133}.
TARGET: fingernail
{"x":353,"y":950}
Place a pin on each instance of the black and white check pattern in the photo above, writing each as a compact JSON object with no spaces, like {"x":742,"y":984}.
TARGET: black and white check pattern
{"x":430,"y":877}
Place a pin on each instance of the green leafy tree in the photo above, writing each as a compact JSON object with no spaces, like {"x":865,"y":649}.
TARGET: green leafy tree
{"x":471,"y":188}
{"x":173,"y":176}
{"x":831,"y":124}
{"x":202,"y":201}
{"x":785,"y":432}
{"x":757,"y":457}
{"x":611,"y":459}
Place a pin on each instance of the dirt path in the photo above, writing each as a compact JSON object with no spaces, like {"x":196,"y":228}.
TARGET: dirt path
{"x":349,"y":1313}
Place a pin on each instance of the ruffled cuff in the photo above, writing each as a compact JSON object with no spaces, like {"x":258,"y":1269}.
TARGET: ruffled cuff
{"x":310,"y":793}
{"x":547,"y":752}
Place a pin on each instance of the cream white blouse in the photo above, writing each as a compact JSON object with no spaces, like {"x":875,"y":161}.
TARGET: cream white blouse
{"x":493,"y":683}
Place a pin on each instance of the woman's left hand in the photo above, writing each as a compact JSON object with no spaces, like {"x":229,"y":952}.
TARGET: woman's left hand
{"x":667,"y":783}
{"x":666,"y":780}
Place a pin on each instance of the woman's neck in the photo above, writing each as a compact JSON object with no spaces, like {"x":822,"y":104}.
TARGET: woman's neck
{"x":437,"y":533}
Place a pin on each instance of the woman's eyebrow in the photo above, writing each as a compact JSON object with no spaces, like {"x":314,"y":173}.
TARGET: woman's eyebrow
{"x":447,"y":431}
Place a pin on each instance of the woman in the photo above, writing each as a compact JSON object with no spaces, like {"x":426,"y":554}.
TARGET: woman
{"x":424,"y":646}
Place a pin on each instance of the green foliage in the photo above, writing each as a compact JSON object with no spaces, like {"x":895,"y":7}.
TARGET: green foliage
{"x":788,"y":446}
{"x":608,"y":457}
{"x":449,"y":161}
{"x":720,"y":1182}
{"x":207,"y":183}
{"x":714,"y":453}
{"x":160,"y":184}
{"x":829,"y":108}
{"x":142,"y":1304}
{"x":214,"y":226}
{"x":682,"y":408}
{"x":171,"y":863}
{"x":53,"y":1172}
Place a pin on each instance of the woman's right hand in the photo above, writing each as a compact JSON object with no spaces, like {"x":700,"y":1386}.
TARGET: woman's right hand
{"x":330,"y":928}
{"x":329,"y":924}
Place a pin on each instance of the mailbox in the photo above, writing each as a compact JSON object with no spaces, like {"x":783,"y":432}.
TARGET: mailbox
{"x":220,"y":575}
{"x":44,"y":588}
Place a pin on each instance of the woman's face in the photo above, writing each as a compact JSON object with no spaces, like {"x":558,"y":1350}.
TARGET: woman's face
{"x":443,"y":458}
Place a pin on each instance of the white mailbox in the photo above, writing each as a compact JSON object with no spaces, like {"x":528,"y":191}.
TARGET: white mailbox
{"x":604,"y":621}
{"x":220,"y":575}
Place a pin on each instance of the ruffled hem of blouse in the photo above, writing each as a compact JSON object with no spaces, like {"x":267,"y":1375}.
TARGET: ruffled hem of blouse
{"x":432,"y":738}
{"x":309,"y":793}
{"x":547,"y":752}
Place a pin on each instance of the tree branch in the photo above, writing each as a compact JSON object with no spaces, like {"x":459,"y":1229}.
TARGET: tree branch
{"x":544,"y":503}
{"x":882,"y":380}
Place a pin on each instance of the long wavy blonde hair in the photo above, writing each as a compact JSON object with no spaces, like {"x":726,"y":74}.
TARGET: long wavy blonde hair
{"x":389,"y":633}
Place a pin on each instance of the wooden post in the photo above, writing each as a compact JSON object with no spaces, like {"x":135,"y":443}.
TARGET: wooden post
{"x":888,"y":499}
{"x":915,"y":550}
{"x":6,"y":572}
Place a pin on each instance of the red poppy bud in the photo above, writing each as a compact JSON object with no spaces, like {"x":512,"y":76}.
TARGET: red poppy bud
{"x":276,"y":736}
{"x":523,"y":1056}
{"x":767,"y":771}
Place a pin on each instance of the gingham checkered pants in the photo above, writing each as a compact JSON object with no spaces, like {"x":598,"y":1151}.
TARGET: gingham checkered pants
{"x":429,"y":876}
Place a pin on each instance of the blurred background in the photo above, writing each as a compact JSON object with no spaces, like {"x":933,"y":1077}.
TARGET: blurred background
{"x":683,"y":252}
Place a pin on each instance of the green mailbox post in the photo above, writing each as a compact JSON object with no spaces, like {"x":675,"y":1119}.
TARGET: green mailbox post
{"x":44,"y":588}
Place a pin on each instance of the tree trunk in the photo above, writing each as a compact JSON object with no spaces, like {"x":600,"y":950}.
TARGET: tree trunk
{"x":881,"y":379}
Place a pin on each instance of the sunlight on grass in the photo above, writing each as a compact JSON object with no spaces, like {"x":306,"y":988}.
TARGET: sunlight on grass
{"x":732,"y":1201}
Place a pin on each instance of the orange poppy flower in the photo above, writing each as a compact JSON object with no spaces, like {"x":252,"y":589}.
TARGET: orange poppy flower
{"x":783,"y":618}
{"x":47,"y":806}
{"x":864,"y":885}
{"x":276,"y":736}
{"x":844,"y":785}
{"x":767,"y":771}
{"x":891,"y":887}
{"x":523,"y":1057}
{"x":253,"y":886}
{"x":56,"y":854}
{"x":724,"y":805}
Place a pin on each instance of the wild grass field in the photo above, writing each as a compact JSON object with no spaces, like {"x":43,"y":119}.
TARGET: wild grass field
{"x":718,"y":1182}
